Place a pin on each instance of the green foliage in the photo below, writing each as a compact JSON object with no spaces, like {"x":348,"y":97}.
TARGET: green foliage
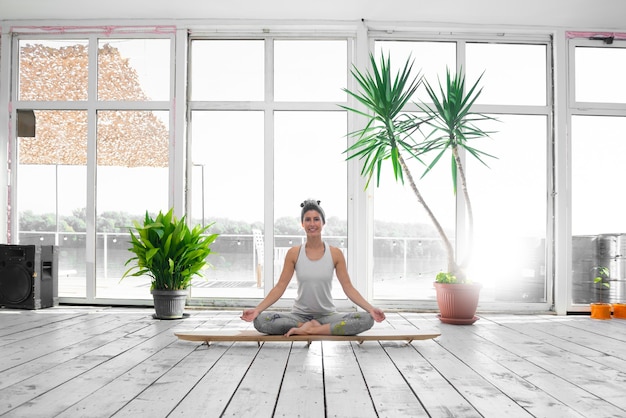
{"x":119,"y":221}
{"x":30,"y":221}
{"x":109,"y":221}
{"x":602,"y":276}
{"x":452,"y":122}
{"x":445,"y":278}
{"x":77,"y":222}
{"x":288,"y":225}
{"x":388,"y":131}
{"x":446,"y":125}
{"x":168,"y":251}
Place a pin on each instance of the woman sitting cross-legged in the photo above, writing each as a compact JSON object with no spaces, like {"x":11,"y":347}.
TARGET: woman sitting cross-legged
{"x":313,"y":311}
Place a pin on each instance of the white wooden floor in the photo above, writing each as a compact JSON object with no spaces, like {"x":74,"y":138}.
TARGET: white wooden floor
{"x":101,"y":362}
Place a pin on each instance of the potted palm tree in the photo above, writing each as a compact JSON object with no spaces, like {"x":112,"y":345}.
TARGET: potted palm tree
{"x":171,"y":253}
{"x":446,"y":125}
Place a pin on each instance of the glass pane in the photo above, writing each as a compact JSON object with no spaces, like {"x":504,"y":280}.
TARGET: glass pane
{"x":132,"y":178}
{"x":598,"y":222}
{"x":407,"y":249}
{"x":51,"y":194}
{"x":310,"y":70}
{"x":408,"y":252}
{"x":228,"y":189}
{"x":514,"y":74}
{"x":309,"y":164}
{"x":510,"y":206}
{"x":53,"y":70}
{"x":229,"y":70}
{"x":599,"y":75}
{"x":430,"y":59}
{"x":134,"y":69}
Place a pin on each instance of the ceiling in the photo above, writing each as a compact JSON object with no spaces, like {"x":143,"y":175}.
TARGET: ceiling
{"x":567,"y":14}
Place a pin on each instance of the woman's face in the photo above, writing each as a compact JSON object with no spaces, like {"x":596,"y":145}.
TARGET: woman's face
{"x":312,"y":222}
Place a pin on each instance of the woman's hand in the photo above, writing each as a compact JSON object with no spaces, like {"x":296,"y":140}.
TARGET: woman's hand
{"x":377,"y":314}
{"x":249,"y":315}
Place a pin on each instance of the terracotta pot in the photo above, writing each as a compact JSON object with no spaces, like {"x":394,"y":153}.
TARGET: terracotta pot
{"x":601,"y":310}
{"x":457,"y":302}
{"x":619,"y":310}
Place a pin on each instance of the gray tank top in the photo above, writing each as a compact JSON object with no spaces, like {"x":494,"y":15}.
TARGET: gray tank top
{"x":314,"y":284}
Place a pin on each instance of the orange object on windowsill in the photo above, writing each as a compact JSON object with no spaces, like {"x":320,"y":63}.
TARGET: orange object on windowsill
{"x":619,"y":310}
{"x":601,"y":310}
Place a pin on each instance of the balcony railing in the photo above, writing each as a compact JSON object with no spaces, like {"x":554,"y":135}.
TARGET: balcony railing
{"x":236,"y":252}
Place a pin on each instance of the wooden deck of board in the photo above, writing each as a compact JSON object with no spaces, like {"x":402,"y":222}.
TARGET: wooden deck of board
{"x":101,"y":362}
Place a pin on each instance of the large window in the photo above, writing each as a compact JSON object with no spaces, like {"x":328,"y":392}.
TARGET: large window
{"x":237,"y":130}
{"x":407,"y":250}
{"x":510,"y":205}
{"x":512,"y":202}
{"x":52,"y":165}
{"x":509,"y":253}
{"x":309,"y":163}
{"x":228,"y":190}
{"x":51,"y":192}
{"x":100,"y":155}
{"x":250,"y":150}
{"x":598,"y":120}
{"x":144,"y":169}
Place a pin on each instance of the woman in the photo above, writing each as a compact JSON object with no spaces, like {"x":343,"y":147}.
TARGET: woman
{"x":313,"y":311}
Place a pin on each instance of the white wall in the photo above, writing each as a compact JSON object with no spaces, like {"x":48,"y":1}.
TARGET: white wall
{"x":568,"y":14}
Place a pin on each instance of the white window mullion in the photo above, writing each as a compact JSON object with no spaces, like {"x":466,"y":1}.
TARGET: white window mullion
{"x":360,"y":208}
{"x":91,"y":204}
{"x":7,"y":136}
{"x":268,"y":167}
{"x":178,"y":127}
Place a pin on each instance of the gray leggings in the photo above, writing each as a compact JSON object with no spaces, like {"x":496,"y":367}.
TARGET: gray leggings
{"x":278,"y":323}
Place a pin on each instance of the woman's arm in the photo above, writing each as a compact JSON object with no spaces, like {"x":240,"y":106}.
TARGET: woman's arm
{"x":278,"y":290}
{"x":354,"y":295}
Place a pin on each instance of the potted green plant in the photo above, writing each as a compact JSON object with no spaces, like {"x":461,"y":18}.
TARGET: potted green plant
{"x":601,"y":309}
{"x":446,"y":125}
{"x":171,"y":253}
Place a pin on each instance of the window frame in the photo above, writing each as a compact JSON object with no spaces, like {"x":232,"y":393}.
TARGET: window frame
{"x":92,"y":105}
{"x":579,"y":108}
{"x":462,"y":39}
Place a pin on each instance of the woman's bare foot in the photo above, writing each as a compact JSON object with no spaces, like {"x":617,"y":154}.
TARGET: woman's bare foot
{"x":303,"y":329}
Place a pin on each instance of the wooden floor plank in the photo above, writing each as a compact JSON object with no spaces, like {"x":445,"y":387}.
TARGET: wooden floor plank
{"x":302,"y":388}
{"x":164,"y":395}
{"x":564,"y":391}
{"x":390,"y":394}
{"x":27,"y":369}
{"x":258,"y":392}
{"x":346,"y":392}
{"x":594,"y":378}
{"x":109,"y":361}
{"x":577,"y":367}
{"x":60,"y":389}
{"x":438,"y":396}
{"x":211,"y":395}
{"x":113,"y":396}
{"x":14,"y":395}
{"x":44,"y":340}
{"x":16,"y":321}
{"x":479,"y":357}
{"x":486,"y":398}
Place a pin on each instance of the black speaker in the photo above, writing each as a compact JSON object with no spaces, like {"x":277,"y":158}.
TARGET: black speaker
{"x":29,"y":276}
